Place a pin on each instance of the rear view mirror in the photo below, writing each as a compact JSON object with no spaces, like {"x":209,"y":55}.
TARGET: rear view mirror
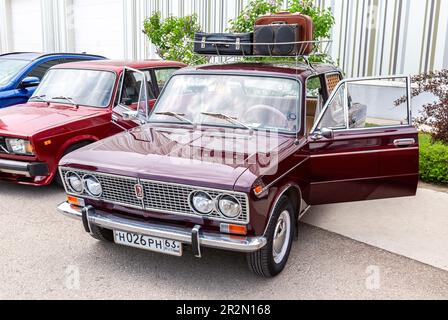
{"x":323,"y":133}
{"x":29,"y":82}
{"x":130,"y":115}
{"x":327,"y":133}
{"x":126,"y":101}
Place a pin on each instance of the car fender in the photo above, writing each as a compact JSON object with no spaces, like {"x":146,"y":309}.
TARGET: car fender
{"x":284,"y":190}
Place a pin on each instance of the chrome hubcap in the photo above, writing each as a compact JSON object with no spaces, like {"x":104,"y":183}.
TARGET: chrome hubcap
{"x":281,"y":237}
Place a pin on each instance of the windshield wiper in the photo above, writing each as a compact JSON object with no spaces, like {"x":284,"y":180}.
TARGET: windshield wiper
{"x":230,"y":119}
{"x":70,"y":100}
{"x":39,"y":98}
{"x":178,"y":116}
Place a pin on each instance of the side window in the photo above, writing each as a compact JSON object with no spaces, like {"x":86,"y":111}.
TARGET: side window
{"x":377,"y":103}
{"x":370,"y":103}
{"x":334,"y":116}
{"x":314,"y":101}
{"x":130,"y":93}
{"x":162,"y":76}
{"x":40,"y":70}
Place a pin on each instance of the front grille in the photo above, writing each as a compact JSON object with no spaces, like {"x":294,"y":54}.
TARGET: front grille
{"x":158,"y":196}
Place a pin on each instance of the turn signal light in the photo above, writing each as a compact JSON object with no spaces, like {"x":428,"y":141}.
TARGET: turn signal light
{"x":233,"y":229}
{"x":76,"y":201}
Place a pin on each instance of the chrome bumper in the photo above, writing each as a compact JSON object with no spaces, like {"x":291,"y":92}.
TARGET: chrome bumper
{"x":27,"y":169}
{"x":182,"y":234}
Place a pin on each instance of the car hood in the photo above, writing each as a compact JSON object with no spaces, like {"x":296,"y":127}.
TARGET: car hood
{"x":28,"y":119}
{"x":211,"y":158}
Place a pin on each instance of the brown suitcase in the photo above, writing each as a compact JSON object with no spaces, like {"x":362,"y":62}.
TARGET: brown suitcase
{"x":305,"y":23}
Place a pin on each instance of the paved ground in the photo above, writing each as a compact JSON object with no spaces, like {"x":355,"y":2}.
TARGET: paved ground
{"x":44,"y":255}
{"x":414,"y":227}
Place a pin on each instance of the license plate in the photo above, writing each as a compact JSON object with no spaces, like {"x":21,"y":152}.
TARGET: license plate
{"x":155,"y":244}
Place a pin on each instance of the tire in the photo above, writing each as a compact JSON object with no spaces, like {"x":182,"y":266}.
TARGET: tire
{"x":72,"y":148}
{"x":101,"y":234}
{"x":272,"y":258}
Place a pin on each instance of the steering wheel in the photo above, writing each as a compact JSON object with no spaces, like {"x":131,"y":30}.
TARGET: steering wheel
{"x":270,"y":114}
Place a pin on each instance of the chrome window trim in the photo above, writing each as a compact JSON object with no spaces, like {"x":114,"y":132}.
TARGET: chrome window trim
{"x":344,"y":82}
{"x":143,"y":207}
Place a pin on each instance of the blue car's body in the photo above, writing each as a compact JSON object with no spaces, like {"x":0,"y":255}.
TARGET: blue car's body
{"x":31,"y":66}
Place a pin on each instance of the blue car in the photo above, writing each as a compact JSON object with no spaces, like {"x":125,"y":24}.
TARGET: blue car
{"x":21,"y":73}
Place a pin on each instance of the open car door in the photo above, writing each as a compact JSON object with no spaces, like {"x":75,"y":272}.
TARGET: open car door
{"x":135,"y":95}
{"x":363,"y":145}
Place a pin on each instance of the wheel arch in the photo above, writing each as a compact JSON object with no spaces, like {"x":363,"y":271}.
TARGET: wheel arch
{"x":294,"y":193}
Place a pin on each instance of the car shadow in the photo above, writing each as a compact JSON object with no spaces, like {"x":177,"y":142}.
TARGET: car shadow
{"x":12,"y":189}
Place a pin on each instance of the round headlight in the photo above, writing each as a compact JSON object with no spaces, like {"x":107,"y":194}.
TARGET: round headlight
{"x":229,"y":206}
{"x":202,"y":202}
{"x":74,"y":182}
{"x":93,"y":186}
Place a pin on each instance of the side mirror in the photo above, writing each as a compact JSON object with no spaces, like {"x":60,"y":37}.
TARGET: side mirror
{"x":323,"y":133}
{"x":327,"y":133}
{"x":127,"y":101}
{"x":130,"y":115}
{"x":29,"y":82}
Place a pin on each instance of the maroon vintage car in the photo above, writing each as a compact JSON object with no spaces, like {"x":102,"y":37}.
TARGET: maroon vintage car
{"x":233,"y":155}
{"x":76,"y":104}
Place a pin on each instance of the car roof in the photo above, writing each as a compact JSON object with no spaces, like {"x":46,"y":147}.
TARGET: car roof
{"x":117,"y":65}
{"x":31,"y":56}
{"x":299,"y":70}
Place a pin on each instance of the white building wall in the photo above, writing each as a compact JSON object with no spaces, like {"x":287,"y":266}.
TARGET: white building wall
{"x":371,"y":37}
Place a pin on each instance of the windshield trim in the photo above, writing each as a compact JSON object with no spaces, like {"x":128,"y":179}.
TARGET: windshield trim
{"x":236,"y":73}
{"x":112,"y":95}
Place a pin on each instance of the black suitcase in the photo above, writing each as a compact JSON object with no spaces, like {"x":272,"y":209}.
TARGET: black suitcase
{"x":276,"y":34}
{"x":235,"y":44}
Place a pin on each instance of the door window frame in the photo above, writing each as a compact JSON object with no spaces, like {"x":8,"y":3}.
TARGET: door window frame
{"x":347,"y":125}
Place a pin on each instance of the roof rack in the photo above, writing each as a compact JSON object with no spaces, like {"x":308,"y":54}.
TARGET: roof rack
{"x":319,"y":48}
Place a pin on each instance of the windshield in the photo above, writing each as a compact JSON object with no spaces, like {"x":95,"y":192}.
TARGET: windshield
{"x":231,"y":100}
{"x":84,"y":87}
{"x":9,"y":68}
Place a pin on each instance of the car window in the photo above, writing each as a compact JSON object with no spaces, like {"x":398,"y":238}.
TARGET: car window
{"x":377,"y":103}
{"x":85,"y":87}
{"x":259,"y":102}
{"x":40,"y":70}
{"x":9,"y":68}
{"x":314,"y":101}
{"x":130,"y":92}
{"x":334,"y":116}
{"x":163,"y":75}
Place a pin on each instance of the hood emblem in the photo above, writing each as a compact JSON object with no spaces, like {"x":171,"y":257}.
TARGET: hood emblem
{"x":139,"y":193}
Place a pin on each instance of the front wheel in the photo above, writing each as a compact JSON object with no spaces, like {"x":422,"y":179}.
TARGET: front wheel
{"x":272,"y":258}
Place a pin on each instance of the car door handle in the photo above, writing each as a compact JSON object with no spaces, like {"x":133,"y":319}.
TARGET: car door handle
{"x":115,"y":118}
{"x":404,"y":142}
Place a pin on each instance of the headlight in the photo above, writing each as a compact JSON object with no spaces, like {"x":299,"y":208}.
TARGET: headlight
{"x":202,"y":202}
{"x":74,"y":182}
{"x":93,"y":186}
{"x":19,"y":146}
{"x":229,"y":206}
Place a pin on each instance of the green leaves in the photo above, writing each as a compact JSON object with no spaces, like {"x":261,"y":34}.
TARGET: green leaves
{"x":433,"y":160}
{"x":171,"y":37}
{"x":323,"y":18}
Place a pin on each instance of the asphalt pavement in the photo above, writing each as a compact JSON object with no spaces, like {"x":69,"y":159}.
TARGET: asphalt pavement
{"x":44,"y":255}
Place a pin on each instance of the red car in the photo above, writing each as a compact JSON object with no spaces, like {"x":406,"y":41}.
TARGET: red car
{"x":233,"y":155}
{"x":76,"y":104}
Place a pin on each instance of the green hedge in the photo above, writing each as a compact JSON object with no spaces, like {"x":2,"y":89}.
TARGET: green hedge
{"x":433,"y":160}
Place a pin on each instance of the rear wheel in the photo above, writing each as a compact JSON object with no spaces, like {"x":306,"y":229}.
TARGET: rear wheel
{"x":272,"y":258}
{"x":72,"y":148}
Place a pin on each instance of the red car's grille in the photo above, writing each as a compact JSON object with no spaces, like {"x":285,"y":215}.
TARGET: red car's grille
{"x":157,"y":196}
